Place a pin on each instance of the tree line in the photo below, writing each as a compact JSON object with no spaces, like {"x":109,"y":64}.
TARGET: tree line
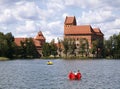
{"x":110,"y":48}
{"x":50,"y":49}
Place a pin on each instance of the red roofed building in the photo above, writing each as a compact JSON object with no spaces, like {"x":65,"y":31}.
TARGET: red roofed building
{"x":77,"y":32}
{"x":38,"y":40}
{"x":18,"y":41}
{"x":74,"y":31}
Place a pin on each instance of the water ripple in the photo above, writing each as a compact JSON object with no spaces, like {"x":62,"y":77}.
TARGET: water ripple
{"x":35,"y":74}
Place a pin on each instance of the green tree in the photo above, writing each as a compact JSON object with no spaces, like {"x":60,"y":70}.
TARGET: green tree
{"x":28,"y":49}
{"x":3,"y":48}
{"x":94,"y":47}
{"x":116,"y":46}
{"x":108,"y":45}
{"x":65,"y":43}
{"x":112,"y":46}
{"x":59,"y":47}
{"x":6,"y":45}
{"x":23,"y":49}
{"x":46,"y":50}
{"x":17,"y":51}
{"x":31,"y":50}
{"x":53,"y":48}
{"x":72,"y":46}
{"x":10,"y":41}
{"x":84,"y":47}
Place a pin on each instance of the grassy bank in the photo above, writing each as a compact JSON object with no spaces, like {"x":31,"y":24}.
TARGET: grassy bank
{"x":3,"y":59}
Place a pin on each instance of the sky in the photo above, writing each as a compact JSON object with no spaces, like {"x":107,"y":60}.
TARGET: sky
{"x":25,"y":18}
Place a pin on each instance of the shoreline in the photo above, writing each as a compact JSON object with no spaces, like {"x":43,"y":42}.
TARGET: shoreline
{"x":55,"y":58}
{"x":4,"y":59}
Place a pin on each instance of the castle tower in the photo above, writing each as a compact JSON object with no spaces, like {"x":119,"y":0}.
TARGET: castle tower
{"x":69,"y":21}
{"x":40,"y":38}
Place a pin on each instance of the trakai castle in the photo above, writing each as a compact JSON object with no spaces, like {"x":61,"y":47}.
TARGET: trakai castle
{"x":71,"y":31}
{"x":76,"y":32}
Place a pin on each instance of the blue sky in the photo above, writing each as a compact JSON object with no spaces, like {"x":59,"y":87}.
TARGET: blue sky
{"x":24,"y":18}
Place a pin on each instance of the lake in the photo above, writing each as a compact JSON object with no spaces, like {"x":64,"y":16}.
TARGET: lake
{"x":36,"y":74}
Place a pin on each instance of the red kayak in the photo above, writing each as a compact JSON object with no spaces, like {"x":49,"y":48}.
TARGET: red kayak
{"x":78,"y":76}
{"x":72,"y":76}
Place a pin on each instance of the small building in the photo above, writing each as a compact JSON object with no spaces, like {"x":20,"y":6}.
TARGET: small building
{"x":38,"y":40}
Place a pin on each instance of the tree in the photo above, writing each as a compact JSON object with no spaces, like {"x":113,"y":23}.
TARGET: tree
{"x":28,"y":49}
{"x":31,"y":50}
{"x":10,"y":41}
{"x":66,"y":46}
{"x":94,"y":47}
{"x":72,"y":46}
{"x":112,"y":46}
{"x":116,"y":46}
{"x":84,"y":46}
{"x":3,"y":47}
{"x":6,"y":45}
{"x":59,"y":47}
{"x":17,"y":51}
{"x":108,"y":45}
{"x":23,"y":49}
{"x":46,"y":49}
{"x":49,"y":49}
{"x":53,"y":48}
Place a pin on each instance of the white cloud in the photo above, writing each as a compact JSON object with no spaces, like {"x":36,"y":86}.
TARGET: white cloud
{"x":28,"y":28}
{"x":64,"y":15}
{"x":83,"y":3}
{"x":27,"y":11}
{"x":50,"y":36}
{"x":7,"y":2}
{"x":110,"y":28}
{"x":53,"y":24}
{"x":56,"y":29}
{"x":3,"y":28}
{"x":97,"y":16}
{"x":7,"y":17}
{"x":27,"y":17}
{"x":52,"y":30}
{"x":117,"y":23}
{"x":56,"y":5}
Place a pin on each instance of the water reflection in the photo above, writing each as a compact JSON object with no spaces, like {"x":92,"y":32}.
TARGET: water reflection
{"x":36,"y":74}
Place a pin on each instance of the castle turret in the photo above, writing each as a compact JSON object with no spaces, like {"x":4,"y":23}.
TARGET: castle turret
{"x":70,"y":21}
{"x":40,"y":37}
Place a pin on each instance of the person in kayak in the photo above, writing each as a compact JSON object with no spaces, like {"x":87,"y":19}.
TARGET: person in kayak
{"x":78,"y":76}
{"x":71,"y":76}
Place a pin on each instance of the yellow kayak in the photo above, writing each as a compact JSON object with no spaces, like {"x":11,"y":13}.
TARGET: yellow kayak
{"x":50,"y":63}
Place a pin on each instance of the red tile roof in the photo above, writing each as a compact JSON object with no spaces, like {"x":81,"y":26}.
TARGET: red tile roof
{"x":82,"y":29}
{"x":18,"y":40}
{"x":97,"y":31}
{"x":40,"y":36}
{"x":37,"y":40}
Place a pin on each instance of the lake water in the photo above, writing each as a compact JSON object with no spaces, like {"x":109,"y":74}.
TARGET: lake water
{"x":36,"y":74}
